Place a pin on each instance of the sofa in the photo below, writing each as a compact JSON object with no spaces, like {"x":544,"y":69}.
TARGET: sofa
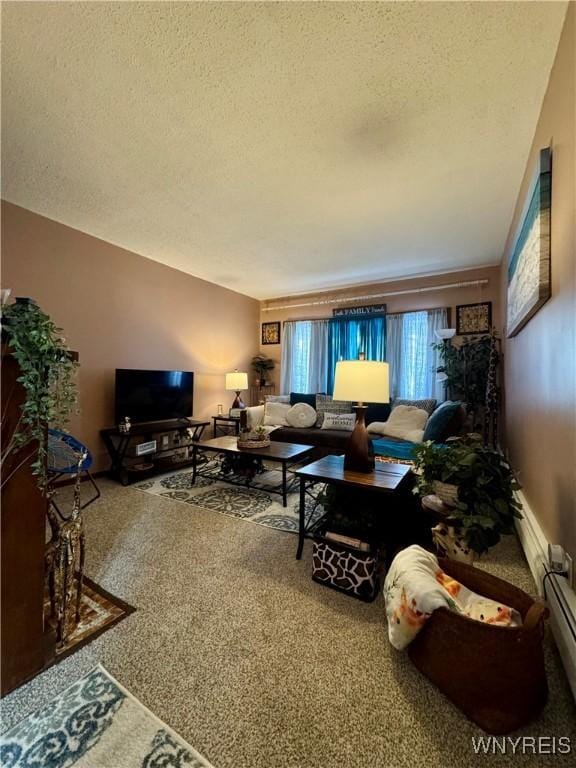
{"x":333,"y":441}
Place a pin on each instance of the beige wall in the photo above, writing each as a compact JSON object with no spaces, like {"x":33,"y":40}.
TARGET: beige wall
{"x":120,"y":310}
{"x":427,"y":299}
{"x":540,"y":362}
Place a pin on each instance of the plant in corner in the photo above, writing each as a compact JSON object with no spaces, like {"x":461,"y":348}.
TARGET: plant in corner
{"x":466,"y":367}
{"x":47,"y":374}
{"x":485,"y":506}
{"x":261,"y":365}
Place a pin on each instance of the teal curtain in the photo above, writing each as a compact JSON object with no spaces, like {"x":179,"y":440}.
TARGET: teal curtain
{"x":350,"y":336}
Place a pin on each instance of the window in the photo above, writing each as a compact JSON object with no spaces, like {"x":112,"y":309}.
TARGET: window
{"x":311,"y":349}
{"x":412,"y":359}
{"x":304,"y":356}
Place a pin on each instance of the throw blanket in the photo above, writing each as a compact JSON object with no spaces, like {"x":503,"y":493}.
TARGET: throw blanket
{"x":396,"y":449}
{"x":406,"y":422}
{"x":415,"y":586}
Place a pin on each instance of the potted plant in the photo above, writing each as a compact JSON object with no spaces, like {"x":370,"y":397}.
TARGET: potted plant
{"x":261,"y":365}
{"x":484,"y":507}
{"x":47,"y":374}
{"x":466,"y":368}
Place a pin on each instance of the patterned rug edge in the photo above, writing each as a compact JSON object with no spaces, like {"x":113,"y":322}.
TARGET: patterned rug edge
{"x":216,"y":511}
{"x":4,"y":735}
{"x":155,"y":717}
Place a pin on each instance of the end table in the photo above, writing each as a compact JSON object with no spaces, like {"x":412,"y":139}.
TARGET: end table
{"x":225,"y":425}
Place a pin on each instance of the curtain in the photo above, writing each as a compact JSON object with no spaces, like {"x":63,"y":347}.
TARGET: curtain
{"x":349,"y":336}
{"x":437,"y":319}
{"x":394,"y":352}
{"x":304,"y":356}
{"x":412,"y":360}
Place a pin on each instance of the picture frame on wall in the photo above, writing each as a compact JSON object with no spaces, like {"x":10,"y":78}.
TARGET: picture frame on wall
{"x":271,"y":333}
{"x":473,"y":319}
{"x":529,"y":284}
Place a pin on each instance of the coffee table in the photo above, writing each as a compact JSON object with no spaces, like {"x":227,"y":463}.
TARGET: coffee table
{"x":385,"y":478}
{"x":284,"y":454}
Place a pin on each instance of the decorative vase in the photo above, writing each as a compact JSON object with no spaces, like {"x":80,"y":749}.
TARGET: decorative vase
{"x":446,"y":492}
{"x":450,"y":543}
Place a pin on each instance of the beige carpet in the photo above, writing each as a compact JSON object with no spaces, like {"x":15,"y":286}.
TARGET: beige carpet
{"x":236,"y":648}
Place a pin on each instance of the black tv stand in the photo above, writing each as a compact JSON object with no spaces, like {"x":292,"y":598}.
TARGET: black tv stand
{"x":174,"y":439}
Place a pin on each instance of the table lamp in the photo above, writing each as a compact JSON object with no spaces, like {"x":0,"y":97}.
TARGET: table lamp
{"x":366,"y":381}
{"x":237,"y":382}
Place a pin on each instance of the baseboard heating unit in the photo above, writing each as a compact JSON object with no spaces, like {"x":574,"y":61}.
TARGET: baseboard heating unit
{"x":559,"y":594}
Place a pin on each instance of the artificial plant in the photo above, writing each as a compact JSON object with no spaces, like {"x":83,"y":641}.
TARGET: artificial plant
{"x":261,"y":365}
{"x":467,"y":367}
{"x":486,"y":505}
{"x":47,"y":374}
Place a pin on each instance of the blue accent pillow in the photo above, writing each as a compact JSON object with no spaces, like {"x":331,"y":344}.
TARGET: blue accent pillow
{"x":297,"y":397}
{"x":439,"y":421}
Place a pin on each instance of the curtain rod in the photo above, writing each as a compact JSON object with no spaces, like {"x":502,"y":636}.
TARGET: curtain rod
{"x":465,"y":284}
{"x":388,"y":315}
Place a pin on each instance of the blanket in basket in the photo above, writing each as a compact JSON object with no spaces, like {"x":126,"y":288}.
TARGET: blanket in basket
{"x":416,"y":585}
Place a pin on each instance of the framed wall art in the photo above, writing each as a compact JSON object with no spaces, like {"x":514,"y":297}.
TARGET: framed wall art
{"x":473,"y":318}
{"x":529,"y":263}
{"x":270,"y":333}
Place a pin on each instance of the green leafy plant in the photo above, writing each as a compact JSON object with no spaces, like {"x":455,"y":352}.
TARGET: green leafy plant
{"x":486,"y":506}
{"x":47,"y":374}
{"x":261,"y":365}
{"x":466,"y":368}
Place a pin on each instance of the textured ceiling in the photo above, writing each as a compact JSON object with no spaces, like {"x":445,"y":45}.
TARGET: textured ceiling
{"x":280,"y":147}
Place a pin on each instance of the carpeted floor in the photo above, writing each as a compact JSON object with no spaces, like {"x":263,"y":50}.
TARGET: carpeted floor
{"x":236,"y":648}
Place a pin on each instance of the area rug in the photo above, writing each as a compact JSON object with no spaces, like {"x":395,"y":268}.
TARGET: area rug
{"x":254,"y":504}
{"x":99,"y":611}
{"x":96,"y":723}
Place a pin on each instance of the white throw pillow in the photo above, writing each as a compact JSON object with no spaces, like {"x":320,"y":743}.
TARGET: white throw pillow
{"x":301,"y":416}
{"x":275,"y":414}
{"x":403,"y":420}
{"x":254,"y":416}
{"x":377,"y":428}
{"x":340,"y":421}
{"x":414,"y":435}
{"x":276,"y":398}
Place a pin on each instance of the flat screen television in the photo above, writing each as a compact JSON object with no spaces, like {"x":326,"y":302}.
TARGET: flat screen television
{"x":153,"y":395}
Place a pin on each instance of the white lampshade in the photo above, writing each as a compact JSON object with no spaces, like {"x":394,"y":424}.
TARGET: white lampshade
{"x":365,"y":381}
{"x":445,"y":333}
{"x":237,"y":381}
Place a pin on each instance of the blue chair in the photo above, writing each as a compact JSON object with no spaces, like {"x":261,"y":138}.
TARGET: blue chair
{"x":67,"y":456}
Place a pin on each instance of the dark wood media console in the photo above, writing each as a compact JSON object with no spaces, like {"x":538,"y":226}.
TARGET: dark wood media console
{"x":174,"y":440}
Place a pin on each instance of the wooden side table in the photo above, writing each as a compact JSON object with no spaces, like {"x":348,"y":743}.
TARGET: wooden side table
{"x":385,"y":478}
{"x":225,"y":425}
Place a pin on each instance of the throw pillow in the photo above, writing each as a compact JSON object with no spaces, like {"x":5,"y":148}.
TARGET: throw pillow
{"x":297,"y":397}
{"x":343,"y":422}
{"x":427,"y":405}
{"x":254,"y":416}
{"x":437,"y":426}
{"x":276,"y":398}
{"x":301,"y":416}
{"x":275,"y":414}
{"x":325,"y":404}
{"x":377,"y":428}
{"x":406,"y":420}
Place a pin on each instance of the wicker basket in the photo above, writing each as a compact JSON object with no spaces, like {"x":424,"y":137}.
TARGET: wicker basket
{"x":446,"y":492}
{"x":254,"y":443}
{"x":495,"y":675}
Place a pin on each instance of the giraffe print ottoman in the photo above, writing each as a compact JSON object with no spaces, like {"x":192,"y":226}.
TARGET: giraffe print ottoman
{"x":347,"y":569}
